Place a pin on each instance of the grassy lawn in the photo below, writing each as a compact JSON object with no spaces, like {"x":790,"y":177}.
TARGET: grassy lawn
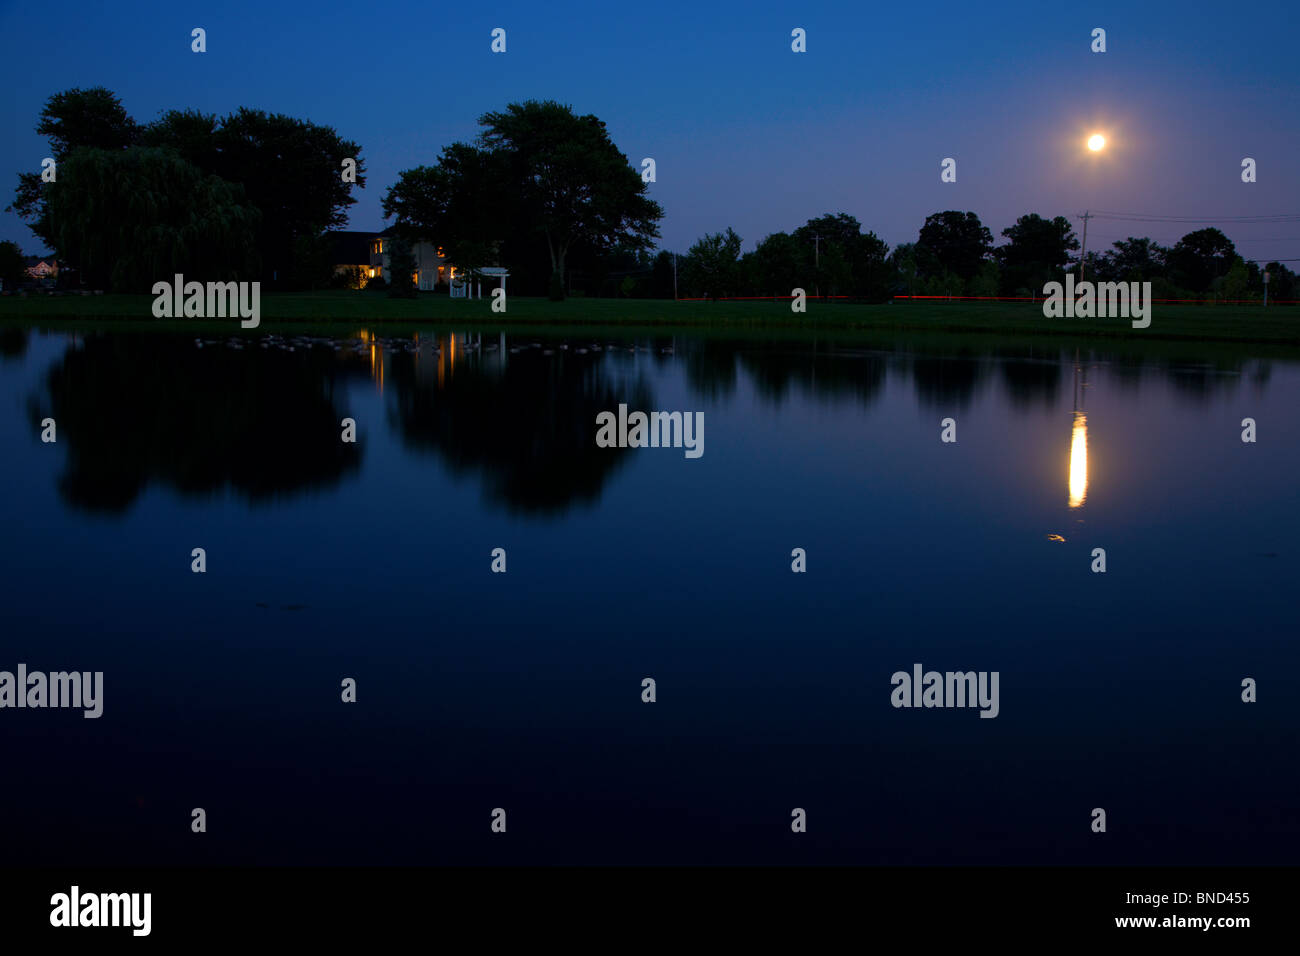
{"x":332,"y":310}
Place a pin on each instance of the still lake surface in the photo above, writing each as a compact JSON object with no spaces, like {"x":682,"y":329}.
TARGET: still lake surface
{"x":523,"y":690}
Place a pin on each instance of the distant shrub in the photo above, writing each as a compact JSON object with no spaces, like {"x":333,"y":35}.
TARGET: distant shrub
{"x":350,"y":278}
{"x":1162,"y":288}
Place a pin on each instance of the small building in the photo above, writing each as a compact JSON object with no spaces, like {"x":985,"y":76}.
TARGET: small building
{"x":470,"y":286}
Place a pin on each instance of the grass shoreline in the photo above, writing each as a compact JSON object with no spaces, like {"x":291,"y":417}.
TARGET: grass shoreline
{"x":1277,"y":327}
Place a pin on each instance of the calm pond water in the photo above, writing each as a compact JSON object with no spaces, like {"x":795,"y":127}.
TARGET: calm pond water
{"x":523,"y":690}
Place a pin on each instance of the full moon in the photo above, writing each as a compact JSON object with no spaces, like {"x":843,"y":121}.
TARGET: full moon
{"x":1096,"y":141}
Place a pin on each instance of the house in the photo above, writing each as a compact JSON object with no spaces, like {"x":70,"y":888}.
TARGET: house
{"x":431,"y":266}
{"x":44,"y":270}
{"x":371,"y":253}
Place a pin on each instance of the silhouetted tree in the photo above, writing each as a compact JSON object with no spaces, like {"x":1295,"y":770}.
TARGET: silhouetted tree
{"x":952,"y":241}
{"x":401,"y":269}
{"x":289,"y":169}
{"x":13,"y":265}
{"x":1037,"y":251}
{"x":1281,"y":282}
{"x":74,"y":118}
{"x":556,"y":174}
{"x":1201,"y":257}
{"x":711,"y":264}
{"x":128,"y":218}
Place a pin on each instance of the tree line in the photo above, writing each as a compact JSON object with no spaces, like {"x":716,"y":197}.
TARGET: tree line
{"x":541,"y":190}
{"x":254,"y":194}
{"x":246,"y":196}
{"x":953,"y":255}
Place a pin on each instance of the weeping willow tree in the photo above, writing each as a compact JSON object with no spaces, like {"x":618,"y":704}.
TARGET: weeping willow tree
{"x":129,"y":218}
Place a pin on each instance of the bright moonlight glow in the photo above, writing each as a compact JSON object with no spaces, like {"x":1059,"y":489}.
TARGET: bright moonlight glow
{"x":1096,"y":141}
{"x":1079,"y":460}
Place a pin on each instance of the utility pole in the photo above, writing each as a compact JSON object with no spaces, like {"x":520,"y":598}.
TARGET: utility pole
{"x":1083,"y":256}
{"x":817,"y":265}
{"x":1266,"y":288}
{"x":674,"y":276}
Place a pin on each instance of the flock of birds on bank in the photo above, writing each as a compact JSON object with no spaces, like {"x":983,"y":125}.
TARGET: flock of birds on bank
{"x":362,"y":346}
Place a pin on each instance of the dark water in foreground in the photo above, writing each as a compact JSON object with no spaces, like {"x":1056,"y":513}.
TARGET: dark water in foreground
{"x":523,"y":690}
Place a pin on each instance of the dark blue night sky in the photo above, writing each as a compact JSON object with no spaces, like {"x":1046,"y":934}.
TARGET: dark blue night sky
{"x":745,"y":133}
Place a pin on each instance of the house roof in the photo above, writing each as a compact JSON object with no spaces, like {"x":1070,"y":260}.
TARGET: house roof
{"x":368,"y":237}
{"x":349,"y":248}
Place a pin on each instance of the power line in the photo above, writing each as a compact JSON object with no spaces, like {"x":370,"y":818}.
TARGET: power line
{"x":1226,"y":220}
{"x":1144,"y":217}
{"x":1083,"y":255}
{"x":1252,"y":239}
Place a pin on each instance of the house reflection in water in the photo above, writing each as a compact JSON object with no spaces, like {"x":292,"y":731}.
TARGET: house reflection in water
{"x":433,"y":355}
